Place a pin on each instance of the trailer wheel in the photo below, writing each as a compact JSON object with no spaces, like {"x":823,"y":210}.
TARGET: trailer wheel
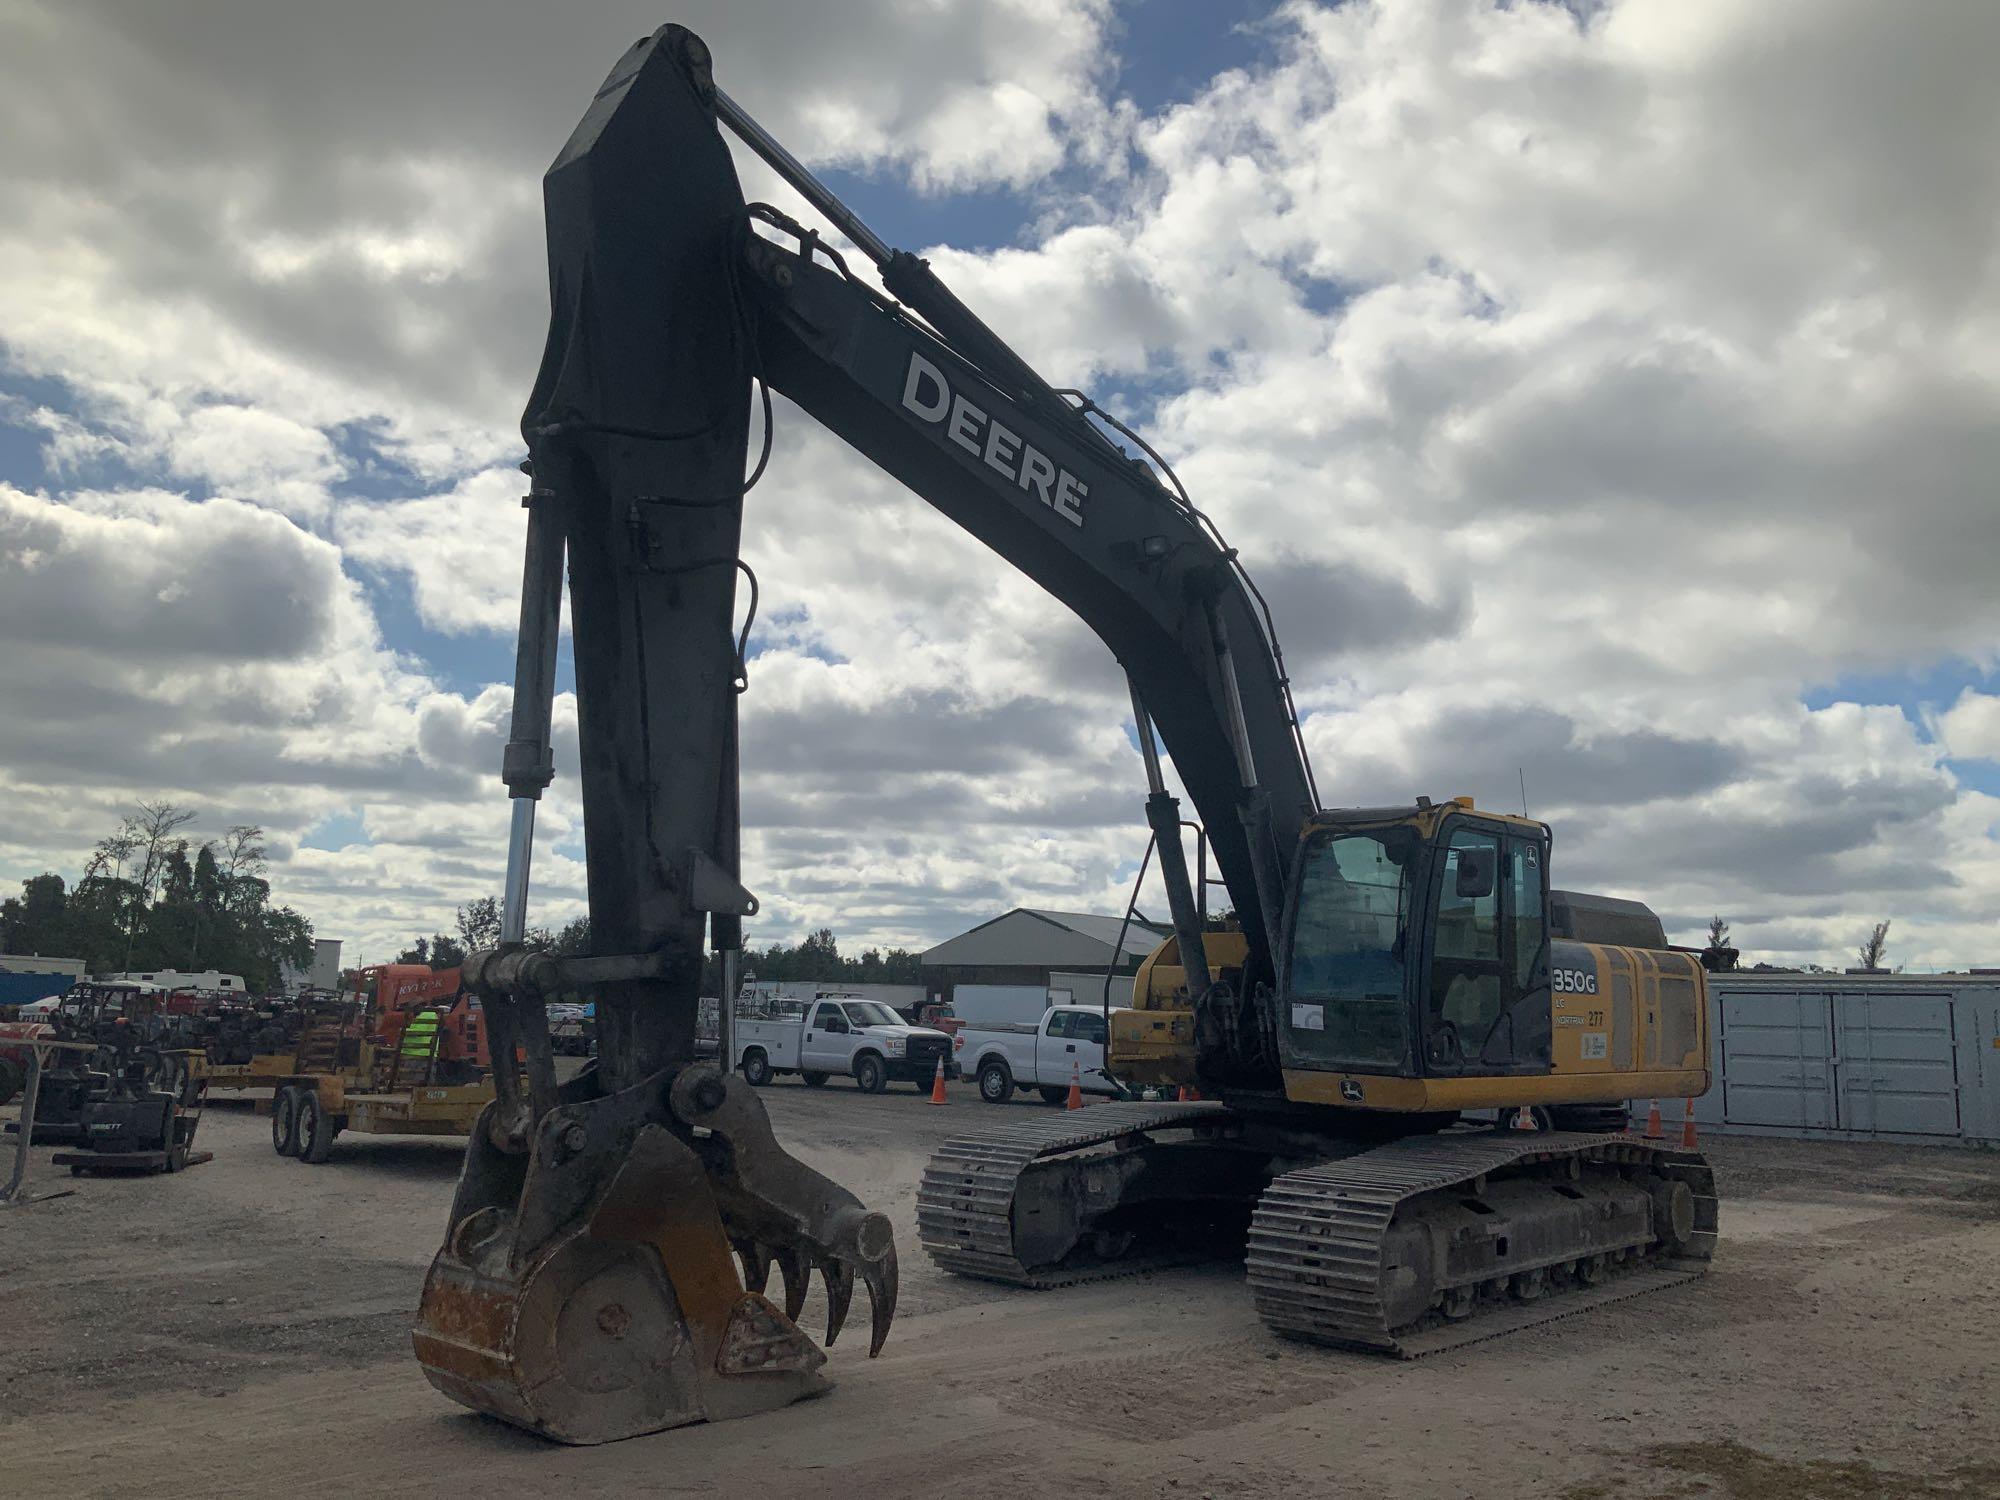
{"x":285,"y":1121}
{"x":756,"y":1068}
{"x":317,"y":1129}
{"x":869,"y":1074}
{"x":814,"y":1079}
{"x":996,"y":1081}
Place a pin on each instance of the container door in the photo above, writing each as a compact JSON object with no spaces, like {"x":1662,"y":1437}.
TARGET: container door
{"x":1896,"y":1068}
{"x":1777,"y":1059}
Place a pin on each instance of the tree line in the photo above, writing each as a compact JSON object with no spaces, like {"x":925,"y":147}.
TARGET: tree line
{"x":815,"y":957}
{"x":1721,"y":955}
{"x":151,"y":898}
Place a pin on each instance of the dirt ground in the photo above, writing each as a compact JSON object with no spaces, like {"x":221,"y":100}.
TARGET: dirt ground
{"x":243,"y":1328}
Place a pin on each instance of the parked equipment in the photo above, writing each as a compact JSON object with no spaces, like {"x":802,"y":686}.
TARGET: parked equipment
{"x":126,"y":1026}
{"x":403,"y":1053}
{"x":1398,"y":968}
{"x":142,"y":1120}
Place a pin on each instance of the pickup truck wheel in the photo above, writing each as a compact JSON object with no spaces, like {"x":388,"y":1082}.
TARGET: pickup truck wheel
{"x":814,"y":1080}
{"x":869,"y":1074}
{"x":1054,"y":1096}
{"x":996,"y":1081}
{"x":285,"y":1122}
{"x":756,"y":1068}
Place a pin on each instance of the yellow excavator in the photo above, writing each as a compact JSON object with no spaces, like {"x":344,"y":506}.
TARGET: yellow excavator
{"x":1412,"y":1054}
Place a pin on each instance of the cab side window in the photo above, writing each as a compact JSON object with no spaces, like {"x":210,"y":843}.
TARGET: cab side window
{"x":1059,"y":1023}
{"x":1086,"y":1027}
{"x":1524,"y":890}
{"x":829,"y":1018}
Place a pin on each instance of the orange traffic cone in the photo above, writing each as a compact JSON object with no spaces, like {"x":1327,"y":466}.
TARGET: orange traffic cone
{"x":937,"y":1085}
{"x":1653,"y":1122}
{"x":1189,"y":1094}
{"x":1524,"y":1119}
{"x":1687,"y":1127}
{"x":1075,"y":1100}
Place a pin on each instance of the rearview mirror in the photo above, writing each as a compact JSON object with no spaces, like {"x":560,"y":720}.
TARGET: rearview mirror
{"x":1476,"y":869}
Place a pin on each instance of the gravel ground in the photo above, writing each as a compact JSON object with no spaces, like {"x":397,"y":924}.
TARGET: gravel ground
{"x":244,"y":1326}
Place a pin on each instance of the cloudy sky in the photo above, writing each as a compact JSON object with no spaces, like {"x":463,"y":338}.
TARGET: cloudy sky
{"x":1607,"y":394}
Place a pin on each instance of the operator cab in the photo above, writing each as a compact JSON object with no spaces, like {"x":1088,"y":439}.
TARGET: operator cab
{"x":1418,"y":944}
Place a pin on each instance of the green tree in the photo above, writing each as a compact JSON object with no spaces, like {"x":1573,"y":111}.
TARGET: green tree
{"x":150,"y":834}
{"x":36,"y":921}
{"x":819,"y":956}
{"x":572,"y":938}
{"x":479,"y":924}
{"x":1720,"y":956}
{"x":438,"y":950}
{"x":1871,"y":952}
{"x":142,"y":902}
{"x":207,"y":879}
{"x":94,"y":919}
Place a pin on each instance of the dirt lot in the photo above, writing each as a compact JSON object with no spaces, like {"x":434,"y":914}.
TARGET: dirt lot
{"x":244,"y":1328}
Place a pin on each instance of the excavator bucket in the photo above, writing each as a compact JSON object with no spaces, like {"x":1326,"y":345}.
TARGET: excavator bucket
{"x":594,"y":1289}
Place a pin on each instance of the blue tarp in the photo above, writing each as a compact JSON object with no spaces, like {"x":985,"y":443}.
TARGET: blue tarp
{"x":19,"y":989}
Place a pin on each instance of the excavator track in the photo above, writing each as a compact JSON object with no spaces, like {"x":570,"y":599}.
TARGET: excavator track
{"x":966,"y":1200}
{"x":1318,"y":1257}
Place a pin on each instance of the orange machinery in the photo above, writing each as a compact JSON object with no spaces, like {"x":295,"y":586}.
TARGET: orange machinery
{"x":389,"y":996}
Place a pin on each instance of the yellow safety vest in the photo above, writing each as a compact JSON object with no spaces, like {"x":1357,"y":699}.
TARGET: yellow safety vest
{"x":421,"y":1034}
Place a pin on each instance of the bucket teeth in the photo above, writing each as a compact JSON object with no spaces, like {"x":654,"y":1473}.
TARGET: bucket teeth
{"x":795,"y":1265}
{"x":779,"y":1212}
{"x":880,"y":1279}
{"x":839,"y":1278}
{"x":756,"y":1265}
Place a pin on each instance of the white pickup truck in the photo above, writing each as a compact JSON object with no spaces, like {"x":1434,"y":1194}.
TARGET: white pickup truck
{"x":1067,"y":1042}
{"x":863,"y":1039}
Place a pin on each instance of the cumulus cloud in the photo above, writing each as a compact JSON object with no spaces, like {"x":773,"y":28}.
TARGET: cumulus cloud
{"x":1971,"y":726}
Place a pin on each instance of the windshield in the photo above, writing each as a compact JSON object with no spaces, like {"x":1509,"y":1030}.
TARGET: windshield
{"x":870,"y":1013}
{"x":1344,"y":980}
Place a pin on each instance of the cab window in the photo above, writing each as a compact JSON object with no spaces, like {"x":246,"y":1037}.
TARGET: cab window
{"x":1344,"y":991}
{"x":1086,"y":1027}
{"x":1059,"y":1021}
{"x":830,"y":1019}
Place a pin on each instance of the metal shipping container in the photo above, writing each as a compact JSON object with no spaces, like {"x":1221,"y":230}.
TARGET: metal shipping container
{"x":1897,"y":1057}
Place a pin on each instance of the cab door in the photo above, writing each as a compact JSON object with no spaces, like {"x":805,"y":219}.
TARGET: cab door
{"x":825,"y":1047}
{"x":1086,"y":1030}
{"x":1486,"y":1002}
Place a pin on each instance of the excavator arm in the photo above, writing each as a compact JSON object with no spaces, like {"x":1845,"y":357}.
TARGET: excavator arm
{"x":1032,"y":477}
{"x":611,"y":1235}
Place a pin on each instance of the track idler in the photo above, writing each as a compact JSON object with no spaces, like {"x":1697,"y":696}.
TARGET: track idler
{"x":609,"y":1280}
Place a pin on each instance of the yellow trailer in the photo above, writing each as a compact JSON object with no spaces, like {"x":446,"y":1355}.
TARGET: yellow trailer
{"x":385,"y":1093}
{"x":267,"y":1070}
